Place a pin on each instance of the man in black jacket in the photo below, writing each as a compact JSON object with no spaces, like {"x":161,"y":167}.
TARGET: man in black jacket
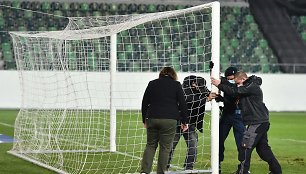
{"x":256,"y":117}
{"x":196,"y":95}
{"x":230,"y":116}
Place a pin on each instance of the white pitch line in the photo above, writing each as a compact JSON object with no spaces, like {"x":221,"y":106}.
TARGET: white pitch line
{"x":7,"y":125}
{"x":293,"y":140}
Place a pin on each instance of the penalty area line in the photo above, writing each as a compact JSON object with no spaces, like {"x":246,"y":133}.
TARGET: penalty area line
{"x":7,"y":125}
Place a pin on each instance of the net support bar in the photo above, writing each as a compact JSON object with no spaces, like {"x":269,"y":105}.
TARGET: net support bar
{"x":113,"y":62}
{"x":215,"y":73}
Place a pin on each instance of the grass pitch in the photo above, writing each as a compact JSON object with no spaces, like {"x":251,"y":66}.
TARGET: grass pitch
{"x":287,"y":138}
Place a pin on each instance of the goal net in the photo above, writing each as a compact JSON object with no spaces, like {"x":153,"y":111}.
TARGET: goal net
{"x":82,"y":88}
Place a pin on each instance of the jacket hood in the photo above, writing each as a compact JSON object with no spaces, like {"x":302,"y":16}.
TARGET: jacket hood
{"x":254,"y":79}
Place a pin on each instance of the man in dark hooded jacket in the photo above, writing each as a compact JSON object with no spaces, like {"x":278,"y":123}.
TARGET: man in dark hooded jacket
{"x":230,"y":117}
{"x":256,"y":117}
{"x":196,"y":96}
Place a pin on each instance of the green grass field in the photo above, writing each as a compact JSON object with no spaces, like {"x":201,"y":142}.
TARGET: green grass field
{"x":287,"y":137}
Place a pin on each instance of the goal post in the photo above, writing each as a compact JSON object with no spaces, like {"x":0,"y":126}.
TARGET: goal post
{"x":215,"y":50}
{"x":113,"y":69}
{"x":82,"y":88}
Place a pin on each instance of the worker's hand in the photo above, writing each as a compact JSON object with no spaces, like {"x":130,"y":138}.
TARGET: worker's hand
{"x":184,"y":127}
{"x":215,"y":82}
{"x":211,"y":96}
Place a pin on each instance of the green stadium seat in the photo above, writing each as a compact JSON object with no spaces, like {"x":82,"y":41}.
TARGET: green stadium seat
{"x":45,"y":6}
{"x":8,"y":56}
{"x":248,"y":35}
{"x":249,"y":19}
{"x":122,"y":64}
{"x":142,"y":8}
{"x":235,"y":43}
{"x":55,"y":6}
{"x":200,"y":50}
{"x":303,"y":35}
{"x":92,"y":61}
{"x":84,"y":7}
{"x":236,"y":11}
{"x":303,"y":20}
{"x":65,"y":6}
{"x":28,"y":15}
{"x":225,"y":27}
{"x":258,"y":51}
{"x":151,"y":8}
{"x":170,"y":7}
{"x":253,"y":27}
{"x":121,"y":56}
{"x":97,"y":13}
{"x":161,"y":7}
{"x":72,"y":61}
{"x":179,"y":7}
{"x":229,"y":51}
{"x":10,"y":65}
{"x":16,"y":4}
{"x":22,"y":28}
{"x":231,"y":18}
{"x":113,"y":9}
{"x":74,"y":6}
{"x":42,"y":28}
{"x":132,"y":8}
{"x":6,"y":46}
{"x":263,"y":43}
{"x":35,"y":6}
{"x":58,"y":14}
{"x":224,"y":42}
{"x":94,"y":6}
{"x":136,"y":66}
{"x":52,"y":28}
{"x":123,"y":9}
{"x":264,"y":64}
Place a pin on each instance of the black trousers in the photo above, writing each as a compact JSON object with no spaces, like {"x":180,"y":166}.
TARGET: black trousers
{"x":228,"y":121}
{"x":256,"y":137}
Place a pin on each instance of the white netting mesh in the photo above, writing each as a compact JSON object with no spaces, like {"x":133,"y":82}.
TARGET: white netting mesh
{"x":64,"y":121}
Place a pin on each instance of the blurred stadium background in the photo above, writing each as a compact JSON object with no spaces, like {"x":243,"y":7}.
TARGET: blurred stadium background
{"x":243,"y":42}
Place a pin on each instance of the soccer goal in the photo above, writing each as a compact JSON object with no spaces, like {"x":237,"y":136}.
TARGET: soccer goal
{"x":82,"y":88}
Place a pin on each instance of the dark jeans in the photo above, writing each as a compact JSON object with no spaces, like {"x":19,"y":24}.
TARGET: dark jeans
{"x":227,"y":121}
{"x":191,"y":139}
{"x":159,"y":131}
{"x":256,"y":136}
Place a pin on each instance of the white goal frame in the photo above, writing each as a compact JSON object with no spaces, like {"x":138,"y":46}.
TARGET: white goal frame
{"x":82,"y":34}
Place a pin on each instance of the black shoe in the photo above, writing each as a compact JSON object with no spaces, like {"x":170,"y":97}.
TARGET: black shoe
{"x":274,"y":173}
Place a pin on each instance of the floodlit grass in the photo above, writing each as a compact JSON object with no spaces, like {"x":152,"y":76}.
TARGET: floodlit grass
{"x":287,"y":137}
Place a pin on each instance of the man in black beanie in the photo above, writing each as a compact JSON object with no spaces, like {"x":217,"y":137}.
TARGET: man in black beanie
{"x":230,"y":116}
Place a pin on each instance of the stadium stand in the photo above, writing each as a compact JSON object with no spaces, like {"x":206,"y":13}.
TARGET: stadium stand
{"x":242,"y":43}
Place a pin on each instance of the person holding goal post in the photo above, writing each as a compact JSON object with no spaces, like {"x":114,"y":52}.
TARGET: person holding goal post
{"x":196,"y":96}
{"x":256,"y":118}
{"x":230,"y":115}
{"x":163,"y":105}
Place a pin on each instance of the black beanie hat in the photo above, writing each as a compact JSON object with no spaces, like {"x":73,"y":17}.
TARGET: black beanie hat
{"x":230,"y":71}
